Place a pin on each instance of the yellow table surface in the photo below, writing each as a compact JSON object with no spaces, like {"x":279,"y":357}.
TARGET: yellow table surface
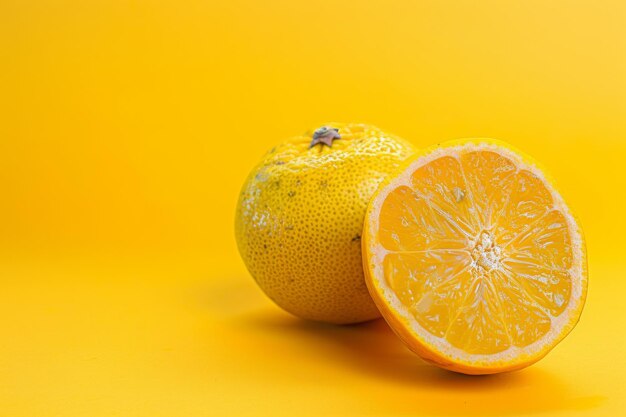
{"x":127,"y":128}
{"x":172,"y":339}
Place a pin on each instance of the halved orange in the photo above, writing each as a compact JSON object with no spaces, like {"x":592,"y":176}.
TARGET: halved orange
{"x":474,"y":259}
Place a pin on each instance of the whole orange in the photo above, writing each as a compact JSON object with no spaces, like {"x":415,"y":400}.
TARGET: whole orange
{"x":300,"y":216}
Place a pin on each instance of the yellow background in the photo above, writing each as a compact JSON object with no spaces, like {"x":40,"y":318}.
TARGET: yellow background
{"x":127,"y":128}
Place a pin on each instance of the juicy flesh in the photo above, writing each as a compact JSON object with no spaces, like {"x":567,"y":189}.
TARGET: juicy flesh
{"x":477,"y":252}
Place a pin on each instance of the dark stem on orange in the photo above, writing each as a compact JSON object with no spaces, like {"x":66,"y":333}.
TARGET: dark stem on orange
{"x":325,"y":135}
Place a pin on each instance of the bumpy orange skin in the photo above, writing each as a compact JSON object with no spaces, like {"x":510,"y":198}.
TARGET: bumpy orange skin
{"x":300,"y":216}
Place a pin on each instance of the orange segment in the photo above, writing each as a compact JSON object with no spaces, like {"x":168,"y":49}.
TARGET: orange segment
{"x":526,"y":320}
{"x":474,"y":258}
{"x":479,"y":326}
{"x":547,"y":242}
{"x":488,"y":177}
{"x":425,"y":283}
{"x":411,"y":222}
{"x":446,"y":197}
{"x":528,"y":201}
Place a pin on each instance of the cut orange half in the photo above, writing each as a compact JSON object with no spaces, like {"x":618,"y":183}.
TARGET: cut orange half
{"x":474,"y":259}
